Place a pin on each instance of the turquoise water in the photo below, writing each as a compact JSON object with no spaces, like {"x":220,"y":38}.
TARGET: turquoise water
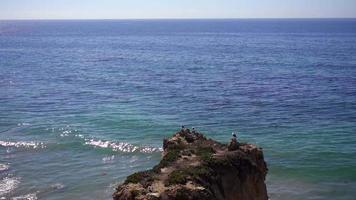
{"x":85,"y":103}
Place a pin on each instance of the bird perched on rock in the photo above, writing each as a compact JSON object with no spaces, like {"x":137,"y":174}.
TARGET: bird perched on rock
{"x":183,"y":128}
{"x":234,"y":134}
{"x":234,"y":144}
{"x":193,"y":130}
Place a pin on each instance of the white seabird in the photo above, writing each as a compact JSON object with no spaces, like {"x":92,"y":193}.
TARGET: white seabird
{"x":233,"y":134}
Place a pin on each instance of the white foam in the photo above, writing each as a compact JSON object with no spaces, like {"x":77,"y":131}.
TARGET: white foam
{"x":4,"y":167}
{"x":151,"y":149}
{"x":121,"y":146}
{"x":57,"y":186}
{"x":31,"y":196}
{"x":23,"y":124}
{"x":79,"y":135}
{"x":65,"y":133}
{"x":30,"y":144}
{"x":8,"y":184}
{"x":108,"y":159}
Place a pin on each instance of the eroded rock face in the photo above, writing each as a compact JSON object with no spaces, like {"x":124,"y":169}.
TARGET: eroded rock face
{"x":194,"y":167}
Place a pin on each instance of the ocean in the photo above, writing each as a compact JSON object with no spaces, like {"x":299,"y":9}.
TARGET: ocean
{"x":84,"y":103}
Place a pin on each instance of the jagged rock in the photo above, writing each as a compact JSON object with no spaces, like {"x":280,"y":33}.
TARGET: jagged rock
{"x":233,"y":145}
{"x":194,"y":167}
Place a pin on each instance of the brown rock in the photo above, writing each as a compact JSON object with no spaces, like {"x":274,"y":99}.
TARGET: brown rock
{"x":194,"y":167}
{"x":233,"y":145}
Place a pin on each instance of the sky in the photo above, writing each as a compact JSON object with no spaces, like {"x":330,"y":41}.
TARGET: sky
{"x":143,"y":9}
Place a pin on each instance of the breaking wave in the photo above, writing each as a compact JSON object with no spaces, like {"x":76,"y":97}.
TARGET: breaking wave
{"x":8,"y":184}
{"x":21,"y":144}
{"x":122,"y":146}
{"x":4,"y":167}
{"x":114,"y":146}
{"x":31,"y":196}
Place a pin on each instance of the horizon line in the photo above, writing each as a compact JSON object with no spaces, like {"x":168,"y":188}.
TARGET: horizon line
{"x":217,"y":18}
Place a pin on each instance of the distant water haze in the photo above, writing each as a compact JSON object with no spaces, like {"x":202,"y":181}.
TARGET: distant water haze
{"x":163,"y":9}
{"x":84,"y":103}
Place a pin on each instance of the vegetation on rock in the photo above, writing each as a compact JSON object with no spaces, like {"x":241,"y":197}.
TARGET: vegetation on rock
{"x":194,"y":167}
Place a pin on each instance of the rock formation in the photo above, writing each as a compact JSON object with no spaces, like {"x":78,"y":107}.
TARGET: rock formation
{"x":196,"y":168}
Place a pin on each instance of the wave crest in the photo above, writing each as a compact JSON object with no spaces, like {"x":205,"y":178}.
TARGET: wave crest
{"x":121,"y":146}
{"x":31,"y":196}
{"x":4,"y":167}
{"x":22,"y":144}
{"x":8,"y":184}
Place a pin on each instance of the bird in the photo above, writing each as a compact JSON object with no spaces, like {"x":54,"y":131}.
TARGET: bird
{"x":233,"y":134}
{"x":183,"y":128}
{"x":193,"y":130}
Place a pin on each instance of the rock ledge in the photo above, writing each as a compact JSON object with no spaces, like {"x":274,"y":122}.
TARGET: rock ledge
{"x":194,"y":167}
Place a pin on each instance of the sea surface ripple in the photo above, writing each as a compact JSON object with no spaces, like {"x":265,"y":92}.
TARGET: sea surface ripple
{"x":84,"y":103}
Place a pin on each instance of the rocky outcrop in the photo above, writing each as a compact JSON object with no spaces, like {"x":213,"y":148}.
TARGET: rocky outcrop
{"x":194,"y":167}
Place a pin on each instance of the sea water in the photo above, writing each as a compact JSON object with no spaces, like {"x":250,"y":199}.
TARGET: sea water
{"x":83,"y":104}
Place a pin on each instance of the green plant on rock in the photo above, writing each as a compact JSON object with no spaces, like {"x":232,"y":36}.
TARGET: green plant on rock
{"x":171,"y":156}
{"x":177,"y":177}
{"x":139,"y":177}
{"x":205,"y":153}
{"x":199,"y":171}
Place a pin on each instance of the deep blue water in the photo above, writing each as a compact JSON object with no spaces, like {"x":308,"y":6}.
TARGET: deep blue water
{"x":85,"y":103}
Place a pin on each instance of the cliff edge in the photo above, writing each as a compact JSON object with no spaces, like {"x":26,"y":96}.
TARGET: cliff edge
{"x":194,"y":167}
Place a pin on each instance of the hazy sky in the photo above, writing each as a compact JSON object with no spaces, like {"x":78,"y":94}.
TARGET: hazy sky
{"x":122,"y":9}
